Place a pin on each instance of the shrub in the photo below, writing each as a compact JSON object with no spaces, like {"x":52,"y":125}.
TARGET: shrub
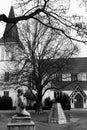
{"x":31,"y":100}
{"x":5,"y":103}
{"x":64,"y":99}
{"x":30,"y":96}
{"x":47,"y":103}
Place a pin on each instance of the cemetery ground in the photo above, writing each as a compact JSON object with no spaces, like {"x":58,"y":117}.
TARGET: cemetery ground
{"x":78,"y":120}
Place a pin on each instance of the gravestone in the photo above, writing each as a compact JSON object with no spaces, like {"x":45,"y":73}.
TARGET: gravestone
{"x":21,"y":123}
{"x":57,"y":114}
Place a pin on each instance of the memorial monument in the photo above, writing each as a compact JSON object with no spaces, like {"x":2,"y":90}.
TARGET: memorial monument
{"x":22,"y":118}
{"x":57,"y":114}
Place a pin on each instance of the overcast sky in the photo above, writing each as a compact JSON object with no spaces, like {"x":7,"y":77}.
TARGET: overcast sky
{"x":5,"y":6}
{"x":74,"y":9}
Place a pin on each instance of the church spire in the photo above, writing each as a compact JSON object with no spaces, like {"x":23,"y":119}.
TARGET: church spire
{"x":11,"y":33}
{"x":11,"y":13}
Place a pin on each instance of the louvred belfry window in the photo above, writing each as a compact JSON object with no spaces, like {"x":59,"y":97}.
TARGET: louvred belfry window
{"x":6,"y":78}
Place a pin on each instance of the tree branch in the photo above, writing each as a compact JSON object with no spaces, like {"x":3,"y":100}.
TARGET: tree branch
{"x":61,"y":30}
{"x":4,"y":18}
{"x":58,"y":88}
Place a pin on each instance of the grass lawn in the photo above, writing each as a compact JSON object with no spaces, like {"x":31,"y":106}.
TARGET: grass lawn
{"x":42,"y":124}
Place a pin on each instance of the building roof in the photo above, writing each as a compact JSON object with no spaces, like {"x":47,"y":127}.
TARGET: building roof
{"x":70,"y":86}
{"x":11,"y":32}
{"x":62,"y":65}
{"x":76,"y":65}
{"x":78,"y":89}
{"x":71,"y":66}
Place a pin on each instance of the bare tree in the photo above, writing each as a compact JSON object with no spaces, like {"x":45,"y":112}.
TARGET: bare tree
{"x":38,"y":59}
{"x":45,"y":35}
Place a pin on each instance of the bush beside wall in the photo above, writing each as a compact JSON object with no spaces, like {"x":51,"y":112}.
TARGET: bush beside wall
{"x":5,"y":103}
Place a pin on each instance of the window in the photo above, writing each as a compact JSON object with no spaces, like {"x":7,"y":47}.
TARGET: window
{"x":57,"y":94}
{"x":72,"y":100}
{"x":6,"y":78}
{"x":82,"y":76}
{"x":9,"y":55}
{"x":59,"y":77}
{"x":66,"y":77}
{"x":6,"y":93}
{"x":74,"y":76}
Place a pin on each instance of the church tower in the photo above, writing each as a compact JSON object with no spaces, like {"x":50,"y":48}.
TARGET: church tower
{"x":10,"y":39}
{"x":8,"y":44}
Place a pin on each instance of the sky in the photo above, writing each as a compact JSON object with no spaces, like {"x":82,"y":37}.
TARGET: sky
{"x":74,"y":9}
{"x":5,"y":6}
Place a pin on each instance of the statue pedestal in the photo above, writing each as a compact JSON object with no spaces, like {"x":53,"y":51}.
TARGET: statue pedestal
{"x":21,"y":123}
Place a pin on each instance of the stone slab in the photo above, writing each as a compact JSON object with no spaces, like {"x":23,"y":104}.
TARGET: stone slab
{"x":21,"y":123}
{"x":20,"y":119}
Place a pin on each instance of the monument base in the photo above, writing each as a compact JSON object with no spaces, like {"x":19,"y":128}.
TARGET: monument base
{"x":21,"y":123}
{"x":57,"y":114}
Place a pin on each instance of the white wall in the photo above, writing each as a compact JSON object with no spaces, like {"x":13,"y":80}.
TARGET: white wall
{"x":1,"y":93}
{"x":50,"y":94}
{"x":68,"y":92}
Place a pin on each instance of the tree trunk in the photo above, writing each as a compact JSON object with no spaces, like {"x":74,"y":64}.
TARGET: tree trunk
{"x":39,"y":102}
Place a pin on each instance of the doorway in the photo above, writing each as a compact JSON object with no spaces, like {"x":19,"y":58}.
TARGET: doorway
{"x":78,"y":101}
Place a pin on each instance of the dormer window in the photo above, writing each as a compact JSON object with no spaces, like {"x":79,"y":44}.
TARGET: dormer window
{"x":66,"y":77}
{"x":82,"y":76}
